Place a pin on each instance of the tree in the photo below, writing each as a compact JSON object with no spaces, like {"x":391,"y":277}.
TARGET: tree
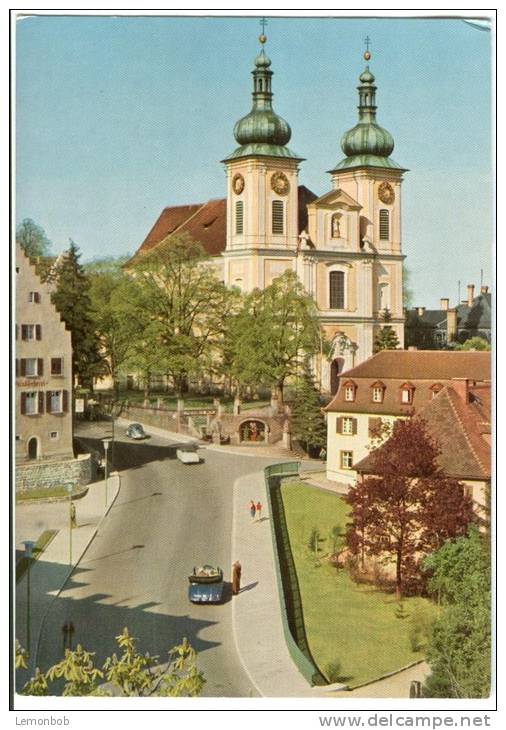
{"x":473,"y":343}
{"x":407,"y":292}
{"x":131,"y":674}
{"x":110,"y":292}
{"x":184,"y":308}
{"x":459,"y":651}
{"x":71,"y":298}
{"x":386,"y":339}
{"x":307,"y":422}
{"x":276,"y":330}
{"x":408,"y":507}
{"x":32,"y":239}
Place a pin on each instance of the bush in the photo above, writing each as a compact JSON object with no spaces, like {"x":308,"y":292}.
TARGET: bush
{"x":422,"y":620}
{"x":333,"y":671}
{"x":314,"y":537}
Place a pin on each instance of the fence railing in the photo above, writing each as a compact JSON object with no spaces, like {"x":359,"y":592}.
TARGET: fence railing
{"x":286,"y":575}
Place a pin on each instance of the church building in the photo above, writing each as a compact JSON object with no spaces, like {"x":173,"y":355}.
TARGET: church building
{"x":344,"y":246}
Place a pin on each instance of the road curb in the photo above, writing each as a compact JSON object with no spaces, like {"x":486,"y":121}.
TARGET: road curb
{"x":33,"y":664}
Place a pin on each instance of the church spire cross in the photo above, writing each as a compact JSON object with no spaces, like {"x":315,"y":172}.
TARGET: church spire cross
{"x":262,"y":37}
{"x":367,"y":42}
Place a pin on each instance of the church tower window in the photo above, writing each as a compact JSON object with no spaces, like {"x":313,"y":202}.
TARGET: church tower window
{"x":336,"y":290}
{"x":277,"y":217}
{"x":239,"y":217}
{"x":384,"y":221}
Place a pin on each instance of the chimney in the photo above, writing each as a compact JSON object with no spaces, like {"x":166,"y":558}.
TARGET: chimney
{"x":445,"y":303}
{"x":451,"y":325}
{"x":461,"y":387}
{"x":470,"y":295}
{"x":484,"y":290}
{"x":421,"y":311}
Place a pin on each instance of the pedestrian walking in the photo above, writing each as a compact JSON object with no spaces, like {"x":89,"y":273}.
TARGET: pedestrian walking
{"x":258,"y":509}
{"x":252,"y":509}
{"x":236,"y":577}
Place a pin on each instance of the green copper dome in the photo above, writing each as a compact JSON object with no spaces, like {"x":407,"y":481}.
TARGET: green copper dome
{"x":367,"y":144}
{"x":262,"y":131}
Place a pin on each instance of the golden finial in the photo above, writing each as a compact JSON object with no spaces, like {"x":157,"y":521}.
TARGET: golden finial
{"x":262,"y":37}
{"x":367,"y":55}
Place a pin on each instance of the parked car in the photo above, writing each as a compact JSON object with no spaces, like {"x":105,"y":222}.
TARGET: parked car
{"x":187,"y":457}
{"x":206,"y":585}
{"x":135,"y":431}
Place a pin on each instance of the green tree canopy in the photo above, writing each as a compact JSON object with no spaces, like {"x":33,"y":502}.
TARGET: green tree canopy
{"x":386,"y":339}
{"x":307,"y":422}
{"x":71,"y":298}
{"x":473,"y":343}
{"x":183,"y":307}
{"x":459,"y":652}
{"x":275,"y":331}
{"x":32,"y":238}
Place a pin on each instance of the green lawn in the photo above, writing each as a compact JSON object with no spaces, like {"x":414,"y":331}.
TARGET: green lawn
{"x":353,"y":624}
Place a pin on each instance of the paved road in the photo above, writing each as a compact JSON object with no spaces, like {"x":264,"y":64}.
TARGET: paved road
{"x":167,"y":518}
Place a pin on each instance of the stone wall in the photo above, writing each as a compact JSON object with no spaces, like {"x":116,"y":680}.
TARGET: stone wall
{"x":47,"y":474}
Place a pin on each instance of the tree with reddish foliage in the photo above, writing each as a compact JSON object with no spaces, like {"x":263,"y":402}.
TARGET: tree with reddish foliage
{"x":408,"y":507}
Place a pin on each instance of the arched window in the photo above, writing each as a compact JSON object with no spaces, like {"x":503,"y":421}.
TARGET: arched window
{"x":277,"y":217}
{"x":336,"y":290}
{"x":384,"y":225}
{"x":239,"y":217}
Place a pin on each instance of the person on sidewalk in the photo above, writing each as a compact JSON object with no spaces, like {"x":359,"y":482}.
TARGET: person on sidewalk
{"x":236,"y":577}
{"x":252,"y":510}
{"x":73,"y":520}
{"x":259,"y":509}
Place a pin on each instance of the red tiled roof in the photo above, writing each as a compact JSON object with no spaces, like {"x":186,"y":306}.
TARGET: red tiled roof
{"x":421,"y":368}
{"x":205,"y":223}
{"x":461,"y":431}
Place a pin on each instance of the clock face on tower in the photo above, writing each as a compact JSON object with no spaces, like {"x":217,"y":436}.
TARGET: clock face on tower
{"x":280,"y":184}
{"x":238,"y":184}
{"x":386,"y":193}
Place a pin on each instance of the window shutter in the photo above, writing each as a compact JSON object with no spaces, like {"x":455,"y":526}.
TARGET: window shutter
{"x":277,"y":217}
{"x":354,"y":426}
{"x":38,"y":332}
{"x":65,"y":401}
{"x":36,"y":297}
{"x":40,"y":366}
{"x":17,"y":367}
{"x":339,"y":424}
{"x":23,"y":366}
{"x":23,"y":403}
{"x":24,"y":332}
{"x":41,"y":401}
{"x":48,"y":402}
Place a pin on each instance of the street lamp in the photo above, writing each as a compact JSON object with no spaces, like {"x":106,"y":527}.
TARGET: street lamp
{"x":106,"y":443}
{"x":69,"y":490}
{"x":29,"y":545}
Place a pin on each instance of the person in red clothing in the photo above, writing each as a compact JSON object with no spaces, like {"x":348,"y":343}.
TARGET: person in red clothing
{"x":258,"y":509}
{"x":252,"y":510}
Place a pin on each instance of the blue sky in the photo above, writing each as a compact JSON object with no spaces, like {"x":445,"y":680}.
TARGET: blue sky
{"x":117,"y":118}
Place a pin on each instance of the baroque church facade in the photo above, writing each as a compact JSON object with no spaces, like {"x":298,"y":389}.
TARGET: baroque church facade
{"x":345,"y":246}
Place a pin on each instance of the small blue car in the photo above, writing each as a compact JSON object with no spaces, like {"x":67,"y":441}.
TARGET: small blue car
{"x":206,"y":585}
{"x":135,"y":431}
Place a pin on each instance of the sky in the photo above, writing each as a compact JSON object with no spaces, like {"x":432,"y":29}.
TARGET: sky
{"x":117,"y":118}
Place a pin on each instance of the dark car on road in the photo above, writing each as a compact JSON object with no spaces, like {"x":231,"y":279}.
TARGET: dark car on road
{"x":206,"y":585}
{"x":135,"y":431}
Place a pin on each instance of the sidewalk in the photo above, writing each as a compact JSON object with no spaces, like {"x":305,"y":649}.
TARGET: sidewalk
{"x":50,"y":572}
{"x":256,"y":611}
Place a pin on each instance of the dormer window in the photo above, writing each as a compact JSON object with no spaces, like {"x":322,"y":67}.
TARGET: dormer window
{"x":435,"y":389}
{"x":350,"y":390}
{"x":407,"y":391}
{"x":377,"y":392}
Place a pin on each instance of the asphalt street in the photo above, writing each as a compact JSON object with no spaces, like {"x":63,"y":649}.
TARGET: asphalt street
{"x":167,"y":518}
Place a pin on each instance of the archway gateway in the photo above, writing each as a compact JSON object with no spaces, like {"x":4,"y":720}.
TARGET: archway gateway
{"x":252,"y":431}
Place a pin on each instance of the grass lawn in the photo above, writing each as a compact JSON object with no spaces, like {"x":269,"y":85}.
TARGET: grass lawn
{"x":45,"y":493}
{"x":353,"y":624}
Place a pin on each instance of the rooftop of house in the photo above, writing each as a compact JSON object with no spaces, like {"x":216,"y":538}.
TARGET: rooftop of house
{"x":459,"y":419}
{"x":476,"y":316}
{"x":420,"y":371}
{"x":205,"y":223}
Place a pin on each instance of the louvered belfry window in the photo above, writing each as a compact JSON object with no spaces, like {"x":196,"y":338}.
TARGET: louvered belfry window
{"x":336,"y":290}
{"x":277,"y":217}
{"x":384,"y":225}
{"x":239,"y":217}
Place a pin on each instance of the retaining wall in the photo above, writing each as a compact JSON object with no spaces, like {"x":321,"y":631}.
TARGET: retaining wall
{"x":46,"y":474}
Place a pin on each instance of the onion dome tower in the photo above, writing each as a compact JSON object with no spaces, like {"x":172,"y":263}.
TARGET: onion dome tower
{"x":262,"y":190}
{"x":262,"y":131}
{"x":367,"y":144}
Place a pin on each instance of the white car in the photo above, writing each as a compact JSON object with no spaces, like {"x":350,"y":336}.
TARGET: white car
{"x":187,"y":457}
